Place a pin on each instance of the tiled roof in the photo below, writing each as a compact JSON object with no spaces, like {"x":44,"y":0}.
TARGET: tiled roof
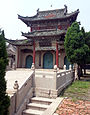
{"x":19,"y":42}
{"x":44,"y":33}
{"x":49,"y":14}
{"x":35,"y":34}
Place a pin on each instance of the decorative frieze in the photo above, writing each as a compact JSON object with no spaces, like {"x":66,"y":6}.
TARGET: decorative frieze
{"x":45,"y":44}
{"x":62,"y":25}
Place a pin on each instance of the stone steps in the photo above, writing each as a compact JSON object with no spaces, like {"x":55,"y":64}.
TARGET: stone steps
{"x":32,"y":112}
{"x":37,"y":106}
{"x":42,"y":100}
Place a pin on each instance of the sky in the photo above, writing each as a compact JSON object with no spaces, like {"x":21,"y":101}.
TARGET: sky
{"x":13,"y":27}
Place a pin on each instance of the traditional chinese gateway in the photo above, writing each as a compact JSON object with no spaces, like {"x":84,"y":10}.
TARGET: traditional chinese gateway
{"x":44,"y":44}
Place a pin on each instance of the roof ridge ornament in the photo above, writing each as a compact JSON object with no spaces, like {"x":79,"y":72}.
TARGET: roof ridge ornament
{"x":37,"y":10}
{"x":65,"y":11}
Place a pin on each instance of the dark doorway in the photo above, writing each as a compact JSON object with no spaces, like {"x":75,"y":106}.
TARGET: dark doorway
{"x":48,"y":60}
{"x":29,"y":61}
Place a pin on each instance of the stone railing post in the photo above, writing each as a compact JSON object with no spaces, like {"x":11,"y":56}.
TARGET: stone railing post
{"x":70,"y":67}
{"x":33,"y":82}
{"x":16,"y":86}
{"x":33,"y":67}
{"x":55,"y":76}
{"x":14,"y":66}
{"x":64,"y":67}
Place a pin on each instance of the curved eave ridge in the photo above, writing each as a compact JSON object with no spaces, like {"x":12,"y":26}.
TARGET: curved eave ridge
{"x":42,"y":33}
{"x":46,"y":15}
{"x":19,"y":42}
{"x":73,"y":13}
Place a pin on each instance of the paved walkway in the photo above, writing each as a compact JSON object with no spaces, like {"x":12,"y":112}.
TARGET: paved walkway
{"x":21,"y":75}
{"x":69,"y":107}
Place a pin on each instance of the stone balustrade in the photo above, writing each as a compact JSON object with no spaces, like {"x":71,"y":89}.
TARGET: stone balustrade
{"x":51,"y":83}
{"x":64,"y":79}
{"x":21,"y":97}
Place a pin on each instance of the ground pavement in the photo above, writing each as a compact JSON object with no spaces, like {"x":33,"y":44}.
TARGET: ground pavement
{"x":69,"y":107}
{"x":21,"y":75}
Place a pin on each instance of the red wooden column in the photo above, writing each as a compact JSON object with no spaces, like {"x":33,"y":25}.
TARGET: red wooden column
{"x":17,"y":57}
{"x":31,"y":29}
{"x":34,"y":52}
{"x":57,"y":54}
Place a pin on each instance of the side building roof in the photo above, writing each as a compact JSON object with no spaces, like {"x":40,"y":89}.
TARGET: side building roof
{"x":49,"y":15}
{"x":19,"y":42}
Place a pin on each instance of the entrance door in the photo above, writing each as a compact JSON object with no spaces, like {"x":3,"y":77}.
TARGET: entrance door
{"x":29,"y":61}
{"x":48,"y":60}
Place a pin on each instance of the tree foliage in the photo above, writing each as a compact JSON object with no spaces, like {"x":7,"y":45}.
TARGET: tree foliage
{"x":4,"y":99}
{"x":75,"y":47}
{"x":87,"y":41}
{"x":77,"y":50}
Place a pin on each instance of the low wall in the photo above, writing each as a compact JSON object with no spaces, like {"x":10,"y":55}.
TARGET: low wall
{"x":21,"y":97}
{"x":12,"y":105}
{"x":45,"y":84}
{"x":64,"y":79}
{"x":45,"y":80}
{"x":50,"y":84}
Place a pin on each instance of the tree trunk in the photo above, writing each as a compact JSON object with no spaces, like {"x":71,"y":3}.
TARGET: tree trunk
{"x":84,"y":70}
{"x":76,"y":71}
{"x":80,"y":73}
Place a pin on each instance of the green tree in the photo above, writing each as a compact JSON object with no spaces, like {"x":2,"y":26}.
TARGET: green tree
{"x":75,"y":47}
{"x":87,"y":41}
{"x":4,"y":99}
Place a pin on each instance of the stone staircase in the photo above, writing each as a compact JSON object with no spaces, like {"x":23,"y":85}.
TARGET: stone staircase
{"x":37,"y":106}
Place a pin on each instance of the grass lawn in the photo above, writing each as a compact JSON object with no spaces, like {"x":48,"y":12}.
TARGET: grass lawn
{"x":78,"y":90}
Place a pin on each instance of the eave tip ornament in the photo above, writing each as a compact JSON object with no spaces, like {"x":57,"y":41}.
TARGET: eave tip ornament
{"x":38,"y":10}
{"x":65,"y":12}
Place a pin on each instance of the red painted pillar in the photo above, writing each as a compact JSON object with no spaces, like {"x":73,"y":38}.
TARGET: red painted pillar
{"x":57,"y":54}
{"x":17,"y":57}
{"x":31,"y":29}
{"x":34,"y":52}
{"x":38,"y":28}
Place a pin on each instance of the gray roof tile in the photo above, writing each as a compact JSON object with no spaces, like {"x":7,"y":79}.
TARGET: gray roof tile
{"x":19,"y":42}
{"x":43,"y":33}
{"x":49,"y":14}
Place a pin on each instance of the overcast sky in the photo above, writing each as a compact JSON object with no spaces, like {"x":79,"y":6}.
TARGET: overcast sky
{"x":13,"y":26}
